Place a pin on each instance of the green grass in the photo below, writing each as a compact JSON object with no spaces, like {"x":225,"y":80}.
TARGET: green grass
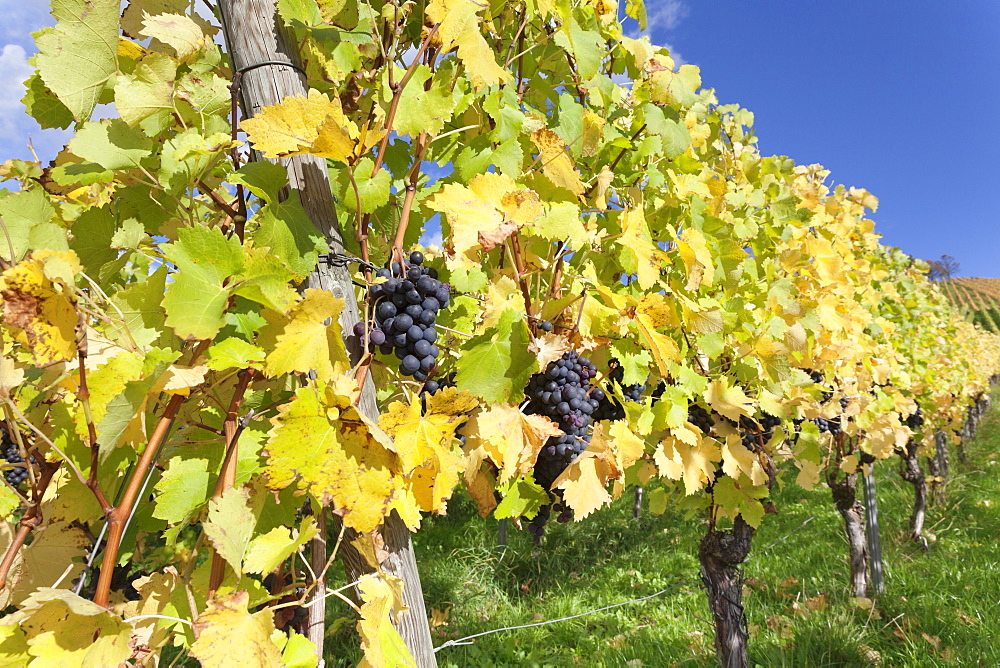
{"x":940,"y":606}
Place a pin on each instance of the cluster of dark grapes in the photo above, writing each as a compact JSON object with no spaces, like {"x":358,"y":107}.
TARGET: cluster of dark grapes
{"x":751,"y":430}
{"x":561,"y":393}
{"x":825,"y":425}
{"x":406,"y":307}
{"x":915,"y":420}
{"x":14,"y":476}
{"x":608,"y":407}
{"x":700,"y":417}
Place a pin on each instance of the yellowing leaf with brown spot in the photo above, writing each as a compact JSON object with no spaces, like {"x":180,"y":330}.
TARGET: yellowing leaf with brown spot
{"x":323,"y":443}
{"x":380,"y":640}
{"x":585,"y":481}
{"x":301,"y":341}
{"x":509,"y":438}
{"x":460,"y":30}
{"x":697,"y":258}
{"x":42,"y":305}
{"x":229,"y":635}
{"x":556,"y":162}
{"x":314,"y":124}
{"x":473,"y":211}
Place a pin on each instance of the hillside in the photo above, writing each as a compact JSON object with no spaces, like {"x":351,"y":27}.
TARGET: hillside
{"x":978,"y":298}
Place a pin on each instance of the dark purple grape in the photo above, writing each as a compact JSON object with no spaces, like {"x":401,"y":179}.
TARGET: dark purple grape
{"x":416,"y":257}
{"x":359,"y":329}
{"x":427,"y":317}
{"x":422,"y":348}
{"x":430,"y":334}
{"x":377,"y":337}
{"x":427,"y":363}
{"x":430,"y":304}
{"x":409,"y":365}
{"x":414,"y":311}
{"x":545,"y":326}
{"x":414,"y":333}
{"x":402,"y":322}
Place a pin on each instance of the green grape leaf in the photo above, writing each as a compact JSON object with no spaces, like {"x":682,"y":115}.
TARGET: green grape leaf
{"x":185,"y":485}
{"x":78,"y":57}
{"x":285,"y":228}
{"x":372,"y":191}
{"x":41,"y":104}
{"x":740,"y":497}
{"x":264,"y":179}
{"x":28,"y":218}
{"x":233,"y":353}
{"x":230,"y":525}
{"x":497,"y":364}
{"x":521,"y":497}
{"x":112,"y":144}
{"x":196,"y":299}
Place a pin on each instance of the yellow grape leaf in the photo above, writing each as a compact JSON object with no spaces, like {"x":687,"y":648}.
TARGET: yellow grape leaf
{"x":228,"y":635}
{"x":10,"y":375}
{"x":13,"y":646}
{"x":585,"y":481}
{"x":459,"y":29}
{"x":323,"y":442}
{"x":55,"y":555}
{"x":556,"y":161}
{"x":665,"y":350}
{"x":479,"y":485}
{"x":177,"y":31}
{"x":425,"y":445}
{"x":476,"y":214}
{"x":737,"y":458}
{"x":380,"y":640}
{"x":268,"y":550}
{"x":697,"y":258}
{"x":180,"y":379}
{"x":548,"y":348}
{"x":629,"y":448}
{"x":636,"y":240}
{"x":155,"y":592}
{"x":604,"y":180}
{"x":728,"y":400}
{"x":40,"y":306}
{"x":63,"y":629}
{"x":314,"y":124}
{"x":510,"y":438}
{"x":301,"y":341}
{"x":695,"y":465}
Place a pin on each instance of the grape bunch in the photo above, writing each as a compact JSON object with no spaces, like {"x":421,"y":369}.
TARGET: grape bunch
{"x":750,"y":429}
{"x":915,"y":420}
{"x":608,"y":407}
{"x":406,"y":307}
{"x":701,"y":418}
{"x":828,"y":425}
{"x":14,"y":476}
{"x":561,"y":393}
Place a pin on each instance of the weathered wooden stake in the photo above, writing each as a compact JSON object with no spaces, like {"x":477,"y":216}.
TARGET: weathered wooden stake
{"x":254,"y":36}
{"x":877,"y":576}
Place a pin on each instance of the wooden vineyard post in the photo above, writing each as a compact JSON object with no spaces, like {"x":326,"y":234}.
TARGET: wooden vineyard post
{"x":258,"y":48}
{"x":876,"y":575}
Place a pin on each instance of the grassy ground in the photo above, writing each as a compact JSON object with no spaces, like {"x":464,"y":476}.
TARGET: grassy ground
{"x":940,"y":606}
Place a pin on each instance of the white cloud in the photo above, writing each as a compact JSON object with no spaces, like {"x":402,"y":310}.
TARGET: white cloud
{"x":14,"y":69}
{"x":665,"y":15}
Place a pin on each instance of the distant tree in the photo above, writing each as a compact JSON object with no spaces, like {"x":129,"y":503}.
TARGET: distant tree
{"x":943,"y":269}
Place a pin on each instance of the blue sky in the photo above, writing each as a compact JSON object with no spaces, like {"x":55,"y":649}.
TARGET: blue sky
{"x":899,"y":98}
